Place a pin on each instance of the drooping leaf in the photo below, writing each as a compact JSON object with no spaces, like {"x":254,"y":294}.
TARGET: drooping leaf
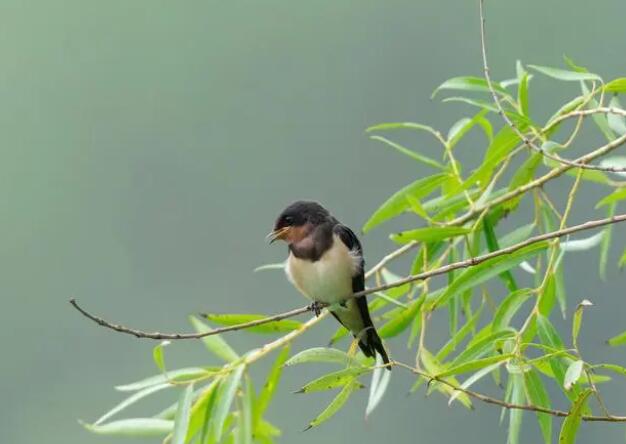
{"x":181,"y":422}
{"x":215,"y":343}
{"x":223,"y":401}
{"x":140,"y":394}
{"x":402,"y":125}
{"x":398,"y":202}
{"x":378,"y":387}
{"x":157,"y":355}
{"x":522,"y":94}
{"x":178,"y":375}
{"x":433,"y":366}
{"x":133,"y":427}
{"x":474,"y":365}
{"x":271,"y":383}
{"x":613,"y":367}
{"x":493,"y":245}
{"x":616,"y":196}
{"x":463,"y":126}
{"x":570,"y":426}
{"x":475,"y":378}
{"x":335,"y":405}
{"x":508,"y":308}
{"x":284,"y":325}
{"x":492,"y":267}
{"x":577,"y":320}
{"x":605,"y":244}
{"x":401,"y":321}
{"x":516,"y":415}
{"x":489,"y":106}
{"x":538,"y":395}
{"x":428,"y":234}
{"x":565,"y":75}
{"x":334,"y":379}
{"x":599,"y":119}
{"x":410,"y":153}
{"x":460,"y":335}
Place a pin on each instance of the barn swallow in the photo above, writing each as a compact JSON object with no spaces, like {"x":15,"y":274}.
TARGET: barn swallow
{"x":326,"y":264}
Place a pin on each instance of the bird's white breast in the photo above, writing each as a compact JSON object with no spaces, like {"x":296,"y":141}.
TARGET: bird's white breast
{"x":329,"y":279}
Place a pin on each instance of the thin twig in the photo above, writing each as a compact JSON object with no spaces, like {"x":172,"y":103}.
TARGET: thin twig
{"x":529,"y":143}
{"x":506,"y":405}
{"x":421,"y":276}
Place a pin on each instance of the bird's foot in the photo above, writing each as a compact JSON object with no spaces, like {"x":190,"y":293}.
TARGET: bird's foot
{"x":316,"y":307}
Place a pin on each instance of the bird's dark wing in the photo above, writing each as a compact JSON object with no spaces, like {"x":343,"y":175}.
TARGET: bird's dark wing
{"x":370,"y":341}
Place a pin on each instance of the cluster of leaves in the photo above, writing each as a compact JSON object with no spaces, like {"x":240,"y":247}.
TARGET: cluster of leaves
{"x":499,"y":311}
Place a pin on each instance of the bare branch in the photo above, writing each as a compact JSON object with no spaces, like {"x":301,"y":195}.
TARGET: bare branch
{"x":507,"y":405}
{"x":528,"y":142}
{"x":421,"y":276}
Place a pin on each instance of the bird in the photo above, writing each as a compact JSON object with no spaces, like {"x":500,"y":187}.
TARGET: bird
{"x":326,"y":264}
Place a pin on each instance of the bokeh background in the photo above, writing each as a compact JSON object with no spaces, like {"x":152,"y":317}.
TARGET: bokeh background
{"x":148,"y":145}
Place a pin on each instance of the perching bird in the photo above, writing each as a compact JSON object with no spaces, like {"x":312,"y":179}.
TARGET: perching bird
{"x":326,"y":264}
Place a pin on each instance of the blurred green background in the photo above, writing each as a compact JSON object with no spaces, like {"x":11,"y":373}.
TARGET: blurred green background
{"x":148,"y":145}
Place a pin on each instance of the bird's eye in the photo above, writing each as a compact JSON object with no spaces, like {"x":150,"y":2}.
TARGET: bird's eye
{"x":288,"y":220}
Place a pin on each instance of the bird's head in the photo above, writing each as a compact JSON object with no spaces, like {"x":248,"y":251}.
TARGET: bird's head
{"x":297,"y":221}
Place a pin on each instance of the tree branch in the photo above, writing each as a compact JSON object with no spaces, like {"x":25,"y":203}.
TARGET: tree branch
{"x":525,"y":140}
{"x":421,"y":276}
{"x":506,"y":405}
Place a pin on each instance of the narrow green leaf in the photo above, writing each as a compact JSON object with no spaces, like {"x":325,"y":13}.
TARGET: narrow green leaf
{"x":562,"y":74}
{"x":468,"y":83}
{"x":460,"y":335}
{"x":463,"y":126}
{"x":508,"y":308}
{"x":378,"y":387}
{"x":428,"y":234}
{"x":480,"y":273}
{"x":474,"y":365}
{"x":320,"y":354}
{"x":271,"y":383}
{"x":282,"y":326}
{"x":215,"y":344}
{"x":402,"y":125}
{"x":410,"y":153}
{"x":223,"y":401}
{"x":569,"y":429}
{"x":181,"y":422}
{"x":573,"y":373}
{"x":605,"y":245}
{"x":538,"y":395}
{"x":178,"y":375}
{"x":246,"y":429}
{"x":599,"y":119}
{"x":398,"y":202}
{"x":618,"y":340}
{"x":475,"y":378}
{"x":334,"y":380}
{"x":133,"y":427}
{"x":483,"y":343}
{"x":131,"y":400}
{"x":522,"y":94}
{"x":401,"y":321}
{"x":516,"y":415}
{"x":493,"y":245}
{"x":202,"y":410}
{"x":616,"y":86}
{"x":568,"y":107}
{"x":577,"y":320}
{"x":335,"y":405}
{"x":622,"y":260}
{"x":524,"y":174}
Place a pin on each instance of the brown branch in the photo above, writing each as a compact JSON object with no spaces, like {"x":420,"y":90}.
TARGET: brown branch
{"x":421,"y":276}
{"x":216,"y":331}
{"x":507,"y":405}
{"x":525,"y":140}
{"x":508,"y":250}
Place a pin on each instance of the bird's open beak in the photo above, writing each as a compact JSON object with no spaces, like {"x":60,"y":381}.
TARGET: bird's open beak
{"x":275,"y":235}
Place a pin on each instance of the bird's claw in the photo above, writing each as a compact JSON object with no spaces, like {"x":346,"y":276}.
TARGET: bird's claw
{"x":316,"y":308}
